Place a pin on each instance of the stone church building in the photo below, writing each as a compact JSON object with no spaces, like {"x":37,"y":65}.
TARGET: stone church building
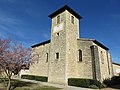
{"x":66,"y":55}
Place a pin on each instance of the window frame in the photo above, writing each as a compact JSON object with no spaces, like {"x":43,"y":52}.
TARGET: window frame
{"x":46,"y":57}
{"x":72,"y":19}
{"x":58,"y":19}
{"x":102,"y":57}
{"x":57,"y":55}
{"x":57,"y":33}
{"x":80,"y":53}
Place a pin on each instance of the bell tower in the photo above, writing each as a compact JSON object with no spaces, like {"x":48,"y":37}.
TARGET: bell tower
{"x":63,"y":46}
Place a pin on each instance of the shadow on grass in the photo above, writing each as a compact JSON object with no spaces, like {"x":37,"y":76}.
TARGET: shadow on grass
{"x":15,"y":83}
{"x":22,"y":85}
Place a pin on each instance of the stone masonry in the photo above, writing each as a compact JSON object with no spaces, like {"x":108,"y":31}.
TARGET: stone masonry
{"x":66,"y":55}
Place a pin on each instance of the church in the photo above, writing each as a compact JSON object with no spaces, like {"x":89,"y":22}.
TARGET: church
{"x":66,"y":55}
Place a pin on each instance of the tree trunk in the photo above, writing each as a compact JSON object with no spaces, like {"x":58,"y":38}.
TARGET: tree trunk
{"x":9,"y":84}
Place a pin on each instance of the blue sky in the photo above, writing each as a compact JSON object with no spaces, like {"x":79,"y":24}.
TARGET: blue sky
{"x":27,"y":21}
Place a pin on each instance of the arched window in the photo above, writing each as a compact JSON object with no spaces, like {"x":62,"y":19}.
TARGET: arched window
{"x":58,"y":19}
{"x":80,"y":55}
{"x":72,"y":19}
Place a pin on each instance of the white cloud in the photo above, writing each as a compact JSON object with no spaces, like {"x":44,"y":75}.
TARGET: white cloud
{"x":7,"y":20}
{"x":11,"y":25}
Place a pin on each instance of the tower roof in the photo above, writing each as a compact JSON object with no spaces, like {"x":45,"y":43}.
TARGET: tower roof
{"x":63,"y":9}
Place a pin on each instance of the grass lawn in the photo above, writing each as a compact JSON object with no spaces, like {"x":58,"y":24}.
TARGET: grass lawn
{"x":21,"y":85}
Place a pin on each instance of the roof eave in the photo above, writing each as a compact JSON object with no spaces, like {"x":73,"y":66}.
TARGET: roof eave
{"x":42,"y":43}
{"x":115,"y":63}
{"x":98,"y":43}
{"x":63,"y":9}
{"x":95,"y":41}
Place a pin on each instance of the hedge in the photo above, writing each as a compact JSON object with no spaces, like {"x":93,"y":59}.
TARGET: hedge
{"x":115,"y":80}
{"x":33,"y":77}
{"x":80,"y":82}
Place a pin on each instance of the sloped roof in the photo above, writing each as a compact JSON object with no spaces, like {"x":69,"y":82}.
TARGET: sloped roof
{"x":96,"y":42}
{"x":42,"y":43}
{"x":63,"y":9}
{"x":100,"y":44}
{"x":115,"y":63}
{"x":85,"y":39}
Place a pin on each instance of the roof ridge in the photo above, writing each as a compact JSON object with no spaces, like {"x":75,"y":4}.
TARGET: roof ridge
{"x":66,"y":7}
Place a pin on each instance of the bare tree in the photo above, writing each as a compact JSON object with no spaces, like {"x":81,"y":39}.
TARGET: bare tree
{"x":12,"y":57}
{"x":1,"y":73}
{"x":34,"y":57}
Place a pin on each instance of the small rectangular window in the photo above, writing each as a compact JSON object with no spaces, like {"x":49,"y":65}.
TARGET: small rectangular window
{"x":102,"y":57}
{"x":72,"y":19}
{"x":57,"y":55}
{"x":80,"y":55}
{"x":58,"y":19}
{"x":46,"y":57}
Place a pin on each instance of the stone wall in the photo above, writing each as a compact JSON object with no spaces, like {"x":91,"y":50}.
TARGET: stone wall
{"x":72,"y":33}
{"x":65,"y":43}
{"x":40,"y":65}
{"x":98,"y":67}
{"x":84,"y":68}
{"x":116,"y":69}
{"x":57,"y":67}
{"x":104,"y":63}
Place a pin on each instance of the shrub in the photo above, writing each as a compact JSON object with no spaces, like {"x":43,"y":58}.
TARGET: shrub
{"x":80,"y":82}
{"x":41,"y":78}
{"x":115,"y":80}
{"x":33,"y":77}
{"x":93,"y":87}
{"x":107,"y":82}
{"x":97,"y":83}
